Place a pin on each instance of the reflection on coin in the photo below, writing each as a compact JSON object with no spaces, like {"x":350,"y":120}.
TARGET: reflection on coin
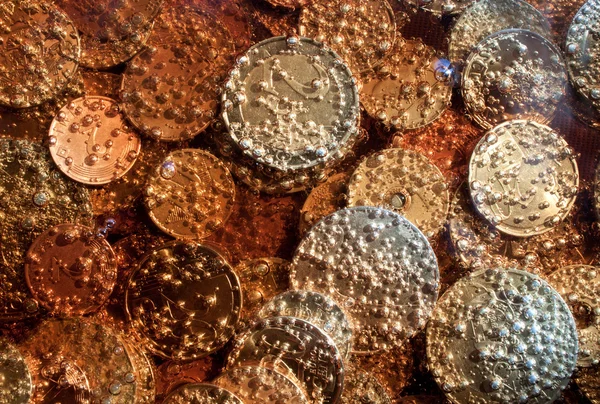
{"x":323,"y":200}
{"x":185,"y":299}
{"x":378,"y":266}
{"x":442,"y":7}
{"x":40,"y":52}
{"x":361,"y":387}
{"x":523,"y":178}
{"x":145,"y":392}
{"x":513,"y":74}
{"x":190,"y":194}
{"x":201,"y":394}
{"x":15,"y":379}
{"x":259,"y":385}
{"x":405,"y":182}
{"x":411,"y":89}
{"x":579,"y":285}
{"x":502,"y":335}
{"x":298,"y":350}
{"x":90,"y":141}
{"x":171,"y":375}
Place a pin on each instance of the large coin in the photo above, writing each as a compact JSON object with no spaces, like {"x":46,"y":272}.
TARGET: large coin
{"x":502,"y":335}
{"x":378,"y":266}
{"x":15,"y":379}
{"x":201,"y":394}
{"x":523,"y":178}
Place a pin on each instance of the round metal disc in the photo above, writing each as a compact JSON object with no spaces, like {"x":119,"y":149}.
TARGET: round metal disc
{"x":201,"y":394}
{"x":323,"y":200}
{"x":15,"y":380}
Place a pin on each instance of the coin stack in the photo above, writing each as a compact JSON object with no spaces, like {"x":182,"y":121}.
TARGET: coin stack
{"x":299,"y":201}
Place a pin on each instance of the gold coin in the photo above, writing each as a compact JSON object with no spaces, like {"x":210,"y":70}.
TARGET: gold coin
{"x":323,"y":200}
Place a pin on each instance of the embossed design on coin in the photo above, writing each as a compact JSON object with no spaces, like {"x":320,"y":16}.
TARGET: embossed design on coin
{"x":39,"y":52}
{"x":15,"y":379}
{"x":90,"y":141}
{"x":378,"y":266}
{"x":190,"y":194}
{"x":361,"y":387}
{"x":501,"y":335}
{"x":523,"y":178}
{"x":199,"y":393}
{"x":185,"y":299}
{"x":323,"y":200}
{"x":513,"y":74}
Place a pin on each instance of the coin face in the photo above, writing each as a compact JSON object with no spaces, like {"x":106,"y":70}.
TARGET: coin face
{"x":91,"y":142}
{"x":323,"y":200}
{"x":259,"y":385}
{"x":185,"y":299}
{"x":15,"y":379}
{"x":501,"y":335}
{"x":199,"y":393}
{"x":405,"y":182}
{"x":296,"y":349}
{"x":513,"y":74}
{"x":363,"y":388}
{"x":378,"y":266}
{"x":523,"y":178}
{"x":443,"y":7}
{"x":40,"y":52}
{"x":291,"y":104}
{"x":190,"y":194}
{"x":410,"y":90}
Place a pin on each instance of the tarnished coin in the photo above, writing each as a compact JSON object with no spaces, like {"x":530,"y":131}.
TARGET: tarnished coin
{"x":15,"y":379}
{"x":260,"y":385}
{"x":362,"y":32}
{"x":317,"y":309}
{"x":323,"y":200}
{"x":403,"y":181}
{"x":199,"y":393}
{"x":579,"y":286}
{"x":502,"y":335}
{"x":378,"y":266}
{"x":40,"y":52}
{"x":513,"y":74}
{"x":190,"y":194}
{"x":185,"y":299}
{"x":443,"y":7}
{"x":171,"y":375}
{"x":91,"y":142}
{"x":362,"y":387}
{"x":298,"y":350}
{"x":291,"y":104}
{"x":410,"y":90}
{"x":169,"y":90}
{"x":523,"y":178}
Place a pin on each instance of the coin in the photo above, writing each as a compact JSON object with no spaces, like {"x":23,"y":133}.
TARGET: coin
{"x":190,"y":194}
{"x":15,"y":379}
{"x":185,"y":299}
{"x":362,"y":32}
{"x":443,"y":7}
{"x":145,"y":392}
{"x":378,"y":266}
{"x":361,"y":387}
{"x":90,"y":141}
{"x":523,"y":178}
{"x":501,"y":335}
{"x":259,"y":385}
{"x":410,"y":89}
{"x":169,"y":90}
{"x":171,"y":375}
{"x":318,"y":309}
{"x":296,"y":349}
{"x":405,"y":182}
{"x":513,"y":74}
{"x":40,"y":52}
{"x":200,"y":393}
{"x":323,"y":200}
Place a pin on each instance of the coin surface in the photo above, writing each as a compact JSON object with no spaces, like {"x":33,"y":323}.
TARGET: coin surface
{"x":145,"y":392}
{"x":291,"y":104}
{"x":361,"y":387}
{"x":185,"y":299}
{"x":378,"y":266}
{"x":588,"y":381}
{"x":410,"y":89}
{"x":190,"y":194}
{"x":259,"y":385}
{"x":40,"y":52}
{"x":15,"y":379}
{"x":442,"y":7}
{"x":200,"y":393}
{"x":513,"y":74}
{"x":101,"y":83}
{"x":501,"y":335}
{"x":298,"y":350}
{"x":523,"y":178}
{"x":171,"y":375}
{"x":323,"y":200}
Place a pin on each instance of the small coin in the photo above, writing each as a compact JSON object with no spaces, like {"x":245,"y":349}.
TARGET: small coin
{"x":323,"y":200}
{"x":259,"y":385}
{"x":378,"y":266}
{"x":185,"y":299}
{"x":190,"y":194}
{"x":171,"y":375}
{"x":362,"y":387}
{"x":15,"y":379}
{"x":523,"y":178}
{"x":501,"y":335}
{"x":405,"y":182}
{"x":298,"y":350}
{"x":200,"y":393}
{"x":513,"y":74}
{"x":442,"y":7}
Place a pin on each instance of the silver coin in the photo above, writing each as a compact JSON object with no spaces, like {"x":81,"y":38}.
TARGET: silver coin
{"x":201,"y":393}
{"x":442,"y":7}
{"x":502,"y":335}
{"x":15,"y":380}
{"x":513,"y":74}
{"x":378,"y":266}
{"x":317,"y":309}
{"x":523,"y":178}
{"x":291,"y":104}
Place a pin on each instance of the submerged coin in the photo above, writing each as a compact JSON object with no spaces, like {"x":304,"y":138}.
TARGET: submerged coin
{"x":443,"y":7}
{"x":588,"y":381}
{"x":201,"y":394}
{"x":171,"y":375}
{"x":323,"y":200}
{"x":15,"y":379}
{"x":362,"y":387}
{"x":502,"y":335}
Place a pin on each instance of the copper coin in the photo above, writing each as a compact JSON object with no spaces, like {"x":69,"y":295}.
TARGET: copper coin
{"x":190,"y":194}
{"x":200,"y":393}
{"x":101,"y":83}
{"x":171,"y":375}
{"x":15,"y":379}
{"x":323,"y":200}
{"x":91,"y":142}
